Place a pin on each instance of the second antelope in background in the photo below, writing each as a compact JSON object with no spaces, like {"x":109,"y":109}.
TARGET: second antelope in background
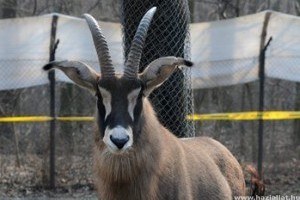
{"x":136,"y":158}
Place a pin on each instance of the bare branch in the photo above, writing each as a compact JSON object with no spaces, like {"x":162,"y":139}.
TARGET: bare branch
{"x":93,"y":6}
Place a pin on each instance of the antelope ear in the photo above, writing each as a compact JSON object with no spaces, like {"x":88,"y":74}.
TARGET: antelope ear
{"x":159,"y":70}
{"x":80,"y":73}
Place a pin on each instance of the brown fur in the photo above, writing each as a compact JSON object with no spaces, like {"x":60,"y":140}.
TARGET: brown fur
{"x":156,"y":164}
{"x":161,"y":166}
{"x":257,"y":187}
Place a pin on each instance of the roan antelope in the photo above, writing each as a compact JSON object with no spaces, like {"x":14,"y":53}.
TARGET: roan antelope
{"x":136,"y":158}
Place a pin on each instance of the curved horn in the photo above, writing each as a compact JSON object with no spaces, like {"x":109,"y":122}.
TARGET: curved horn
{"x":135,"y":52}
{"x":100,"y":43}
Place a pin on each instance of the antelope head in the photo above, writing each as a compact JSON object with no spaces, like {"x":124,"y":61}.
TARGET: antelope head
{"x":120,"y":96}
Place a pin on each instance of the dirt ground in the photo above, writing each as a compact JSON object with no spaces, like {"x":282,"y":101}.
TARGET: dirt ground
{"x":24,"y":182}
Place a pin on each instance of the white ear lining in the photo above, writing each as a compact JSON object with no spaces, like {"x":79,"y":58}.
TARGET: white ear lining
{"x":159,"y":71}
{"x":153,"y":78}
{"x":79,"y":72}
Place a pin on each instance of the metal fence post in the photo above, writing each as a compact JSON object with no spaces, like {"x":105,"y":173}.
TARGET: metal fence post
{"x":261,"y":75}
{"x":51,"y":76}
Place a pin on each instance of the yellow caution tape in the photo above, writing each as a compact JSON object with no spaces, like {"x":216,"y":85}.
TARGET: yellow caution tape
{"x":86,"y":119}
{"x":267,"y":115}
{"x":43,"y":119}
{"x":26,"y":119}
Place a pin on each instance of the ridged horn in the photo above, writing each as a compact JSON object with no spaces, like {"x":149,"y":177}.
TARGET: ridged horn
{"x":102,"y":50}
{"x":135,"y":52}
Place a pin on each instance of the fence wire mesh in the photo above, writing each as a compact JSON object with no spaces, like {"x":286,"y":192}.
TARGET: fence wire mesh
{"x":281,"y":137}
{"x":24,"y":147}
{"x":168,"y":35}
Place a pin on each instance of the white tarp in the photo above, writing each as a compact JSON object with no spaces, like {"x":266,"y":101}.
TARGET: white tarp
{"x":25,"y":45}
{"x":76,"y":43}
{"x":224,"y":52}
{"x":24,"y":48}
{"x":227,"y":52}
{"x":283,"y":55}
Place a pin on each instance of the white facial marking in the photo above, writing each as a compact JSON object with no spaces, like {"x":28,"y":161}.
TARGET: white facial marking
{"x":132,"y":97}
{"x":117,"y":132}
{"x":106,"y":96}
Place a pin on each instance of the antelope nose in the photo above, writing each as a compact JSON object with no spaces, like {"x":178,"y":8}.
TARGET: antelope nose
{"x":119,"y":141}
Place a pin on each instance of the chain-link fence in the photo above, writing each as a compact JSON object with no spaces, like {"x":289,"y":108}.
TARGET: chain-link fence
{"x":24,"y":147}
{"x":168,"y":35}
{"x":281,"y":147}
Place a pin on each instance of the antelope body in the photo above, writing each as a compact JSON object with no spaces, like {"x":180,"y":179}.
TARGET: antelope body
{"x":136,"y":158}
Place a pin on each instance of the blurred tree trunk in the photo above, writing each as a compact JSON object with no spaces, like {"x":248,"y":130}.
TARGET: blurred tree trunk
{"x":253,"y":136}
{"x":191,"y":7}
{"x":9,"y":9}
{"x":65,"y":109}
{"x":242,"y":125}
